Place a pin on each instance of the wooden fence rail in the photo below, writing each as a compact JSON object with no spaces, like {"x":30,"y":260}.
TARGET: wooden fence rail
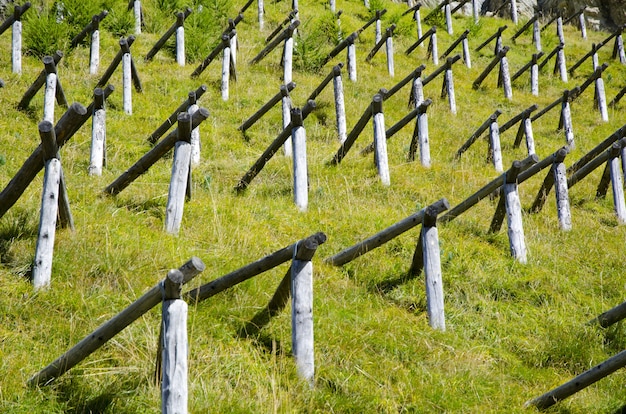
{"x":167,"y":124}
{"x":283,"y":92}
{"x":497,"y":36}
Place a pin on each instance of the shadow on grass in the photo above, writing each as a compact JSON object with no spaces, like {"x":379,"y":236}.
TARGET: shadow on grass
{"x":153,"y":207}
{"x":82,"y":399}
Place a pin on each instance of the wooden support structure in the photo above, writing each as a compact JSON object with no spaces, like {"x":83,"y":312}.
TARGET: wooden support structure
{"x":410,"y":77}
{"x":580,"y":382}
{"x":550,"y":55}
{"x":572,"y":94}
{"x":109,"y":329}
{"x":225,"y":42}
{"x":551,"y":20}
{"x":152,"y":156}
{"x":50,"y":89}
{"x":39,"y":82}
{"x":454,"y":44}
{"x":284,"y":91}
{"x":592,"y":165}
{"x":352,"y":136}
{"x":180,"y":20}
{"x":135,"y":6}
{"x":341,"y":46}
{"x":98,"y":134}
{"x":497,"y":36}
{"x":278,"y":142}
{"x":382,"y":237}
{"x":526,"y":25}
{"x":117,"y":60}
{"x":482,"y":128}
{"x":618,"y":49}
{"x":497,"y":59}
{"x":181,"y":165}
{"x":420,"y":135}
{"x":300,"y":173}
{"x":244,"y":273}
{"x":594,"y":49}
{"x":167,"y":124}
{"x":388,"y":34}
{"x":18,"y":11}
{"x":286,"y":34}
{"x":566,"y":118}
{"x":560,"y":65}
{"x":421,"y":39}
{"x":617,"y":98}
{"x":613,"y":175}
{"x":556,"y":177}
{"x":16,"y":41}
{"x":533,"y":61}
{"x":89,"y":28}
{"x":290,"y":17}
{"x":380,"y":140}
{"x":611,"y":316}
{"x":351,"y":59}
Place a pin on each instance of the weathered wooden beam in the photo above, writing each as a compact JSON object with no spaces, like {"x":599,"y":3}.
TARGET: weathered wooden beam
{"x":292,"y":14}
{"x":18,"y":11}
{"x":533,"y":61}
{"x":38,"y":83}
{"x":336,"y":71}
{"x":497,"y":34}
{"x":180,"y":18}
{"x":497,"y":58}
{"x":381,"y":42}
{"x":167,"y":124}
{"x":352,"y":136}
{"x":117,"y":59}
{"x":441,"y":69}
{"x":422,"y":39}
{"x":385,"y":235}
{"x":455,"y":44}
{"x":287,"y":33}
{"x":284,"y":91}
{"x":525,"y":26}
{"x":112,"y":327}
{"x":225,"y":42}
{"x":594,"y":49}
{"x":341,"y":46}
{"x":522,"y":115}
{"x":589,"y":167}
{"x":90,"y":27}
{"x":482,"y":128}
{"x":414,"y":74}
{"x":611,"y":316}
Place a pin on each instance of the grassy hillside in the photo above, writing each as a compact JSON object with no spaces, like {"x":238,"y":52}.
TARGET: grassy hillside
{"x":514,"y":330}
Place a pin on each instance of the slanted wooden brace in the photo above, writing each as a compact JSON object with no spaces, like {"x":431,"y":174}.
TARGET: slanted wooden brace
{"x":125,"y":45}
{"x":300,"y":174}
{"x":284,"y":91}
{"x":608,"y":318}
{"x":497,"y":36}
{"x":615,"y":101}
{"x":387,"y":40}
{"x":526,"y":25}
{"x":181,"y":167}
{"x":416,"y":16}
{"x":525,"y":128}
{"x":380,"y":140}
{"x":497,"y":59}
{"x":286,"y":34}
{"x":352,"y":136}
{"x":290,"y":17}
{"x":421,"y":40}
{"x":382,"y":237}
{"x":110,"y":328}
{"x":557,"y":176}
{"x":41,"y":81}
{"x":482,"y":128}
{"x":214,"y":53}
{"x":92,"y":28}
{"x":466,"y":55}
{"x":551,"y":20}
{"x":167,"y":124}
{"x":278,"y":142}
{"x":534,"y":73}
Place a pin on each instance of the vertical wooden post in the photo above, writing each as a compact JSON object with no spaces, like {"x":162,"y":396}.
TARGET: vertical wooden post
{"x":233,"y":45}
{"x":514,"y":219}
{"x":225,"y":72}
{"x":417,"y":91}
{"x":418,"y":22}
{"x":560,"y":64}
{"x":448,"y":14}
{"x":432,"y":47}
{"x":94,"y":50}
{"x":378,"y":31}
{"x":288,"y":60}
{"x":506,"y":77}
{"x":126,"y":77}
{"x":287,"y":107}
{"x":302,"y":311}
{"x":566,"y":117}
{"x":137,"y":14}
{"x":42,"y":268}
{"x":432,"y":270}
{"x":617,"y":184}
{"x":600,"y":94}
{"x":561,"y":192}
{"x":98,"y":134}
{"x":514,"y":11}
{"x":559,"y":29}
{"x":582,"y":25}
{"x":261,"y":11}
{"x":340,"y":107}
{"x":619,"y":49}
{"x":422,"y":137}
{"x":380,"y":140}
{"x":50,"y":89}
{"x":180,"y":39}
{"x":466,"y":53}
{"x":351,"y":59}
{"x":195,"y":133}
{"x":534,"y":76}
{"x":300,"y":174}
{"x":16,"y":43}
{"x":527,"y":126}
{"x":174,"y":392}
{"x":448,"y":87}
{"x":332,"y":6}
{"x":366,"y":3}
{"x":475,"y":10}
{"x":180,"y":175}
{"x":495,"y":151}
{"x":537,"y":35}
{"x":389,"y":46}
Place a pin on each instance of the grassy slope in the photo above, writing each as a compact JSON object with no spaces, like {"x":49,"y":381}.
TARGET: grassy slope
{"x":514,"y":331}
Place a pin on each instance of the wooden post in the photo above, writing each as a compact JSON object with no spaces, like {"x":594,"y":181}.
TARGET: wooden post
{"x":514,"y":11}
{"x":137,"y":15}
{"x":466,"y":53}
{"x":581,"y":24}
{"x":225,"y":72}
{"x":559,"y":29}
{"x":380,"y":140}
{"x":109,"y":329}
{"x":537,"y":35}
{"x":525,"y":26}
{"x":174,"y":344}
{"x":389,"y":46}
{"x":514,"y":218}
{"x":260,"y":12}
{"x":288,"y":32}
{"x":351,"y":60}
{"x":617,"y":184}
{"x":448,"y":14}
{"x":534,"y":75}
{"x":432,"y":270}
{"x":180,"y":39}
{"x":497,"y":59}
{"x":300,"y":175}
{"x":126,"y":78}
{"x":506,"y":78}
{"x":167,"y":124}
{"x":562,"y":192}
{"x":152,"y":156}
{"x":195,"y":133}
{"x":340,"y":107}
{"x":432,"y":47}
{"x":38,"y":83}
{"x":600,"y":95}
{"x":302,"y":311}
{"x":377,"y":31}
{"x":288,"y":59}
{"x":382,"y":237}
{"x":283,"y":92}
{"x":50,"y":89}
{"x":497,"y":35}
{"x":286,"y":107}
{"x":495,"y":151}
{"x":566,"y":116}
{"x":421,"y":130}
{"x":618,"y":49}
{"x":560,"y":64}
{"x":580,"y":382}
{"x":180,"y":175}
{"x":42,"y":268}
{"x":94,"y":50}
{"x":98,"y":134}
{"x":214,"y":53}
{"x":448,"y":87}
{"x":16,"y":45}
{"x":475,"y":10}
{"x":332,"y":6}
{"x":482,"y":128}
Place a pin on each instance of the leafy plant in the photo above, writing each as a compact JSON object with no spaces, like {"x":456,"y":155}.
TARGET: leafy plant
{"x":43,"y":35}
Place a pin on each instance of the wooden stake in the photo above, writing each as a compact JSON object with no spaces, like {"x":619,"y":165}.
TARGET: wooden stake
{"x":300,"y":175}
{"x":380,"y":140}
{"x":98,"y":134}
{"x":180,"y":175}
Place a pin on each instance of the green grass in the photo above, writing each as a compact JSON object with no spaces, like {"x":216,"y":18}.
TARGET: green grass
{"x":513,"y":331}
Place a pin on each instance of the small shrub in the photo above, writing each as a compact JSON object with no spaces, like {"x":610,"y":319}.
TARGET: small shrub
{"x":44,"y":36}
{"x":310,"y":39}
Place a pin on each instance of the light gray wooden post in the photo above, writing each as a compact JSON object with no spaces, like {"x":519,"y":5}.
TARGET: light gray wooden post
{"x":287,"y":107}
{"x":16,"y":43}
{"x":448,"y":84}
{"x":417,"y":90}
{"x":295,"y":7}
{"x":506,"y":77}
{"x":528,"y":133}
{"x":560,"y":63}
{"x":94,"y":50}
{"x":180,"y":39}
{"x":126,"y":78}
{"x":389,"y":46}
{"x":332,"y":6}
{"x":261,"y":12}
{"x":559,"y":29}
{"x":195,"y":133}
{"x":300,"y":174}
{"x":98,"y":134}
{"x":494,"y":145}
{"x":514,"y":11}
{"x":42,"y":267}
{"x":475,"y":10}
{"x":351,"y":59}
{"x":432,"y":271}
{"x":448,"y":14}
{"x":619,"y":46}
{"x":340,"y":107}
{"x":582,"y":25}
{"x":534,"y":76}
{"x":466,"y":53}
{"x":566,"y":117}
{"x":418,"y":22}
{"x":180,"y":175}
{"x":422,"y":136}
{"x":617,"y":185}
{"x":175,"y":347}
{"x":380,"y":140}
{"x":137,"y":14}
{"x":378,"y":31}
{"x":288,"y":60}
{"x":600,"y":94}
{"x":225,"y":73}
{"x":433,"y":47}
{"x":561,"y":192}
{"x":302,"y":337}
{"x":233,"y":48}
{"x":366,"y":3}
{"x":514,"y":219}
{"x":50,"y":89}
{"x":537,"y":35}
